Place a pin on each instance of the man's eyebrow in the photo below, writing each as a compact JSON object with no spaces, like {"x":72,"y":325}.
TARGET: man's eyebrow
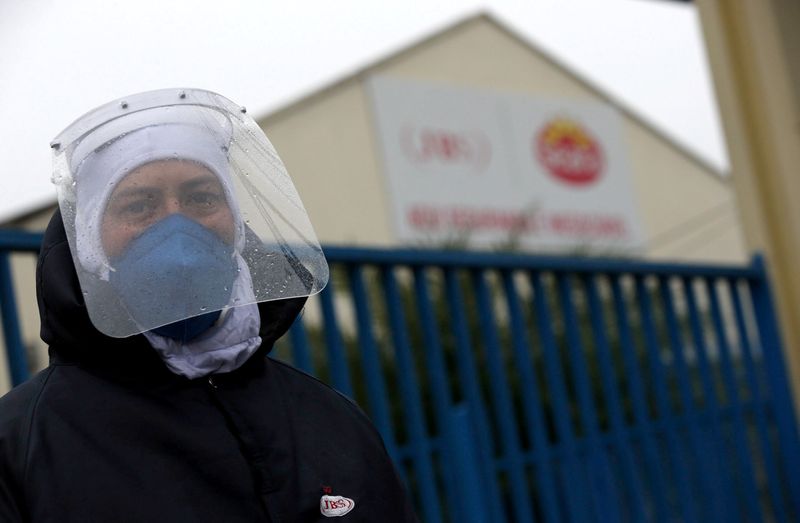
{"x":130,"y":192}
{"x":203,"y":180}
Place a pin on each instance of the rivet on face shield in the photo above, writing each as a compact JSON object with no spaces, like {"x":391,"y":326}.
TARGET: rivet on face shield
{"x":124,"y":105}
{"x":182,"y":95}
{"x":243,"y":109}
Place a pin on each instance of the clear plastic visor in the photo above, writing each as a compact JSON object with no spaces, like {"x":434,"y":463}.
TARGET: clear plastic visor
{"x":177,"y":206}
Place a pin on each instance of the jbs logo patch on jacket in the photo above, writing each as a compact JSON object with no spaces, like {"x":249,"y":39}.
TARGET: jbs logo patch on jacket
{"x":335,"y":506}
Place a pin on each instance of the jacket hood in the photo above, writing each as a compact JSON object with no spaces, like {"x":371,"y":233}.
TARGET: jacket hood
{"x":71,"y":336}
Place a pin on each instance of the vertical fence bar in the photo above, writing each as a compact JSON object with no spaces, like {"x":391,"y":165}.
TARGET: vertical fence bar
{"x":708,"y":480}
{"x":463,"y":450}
{"x":412,"y":403}
{"x":437,"y":369}
{"x":15,"y":349}
{"x":602,"y":482}
{"x":434,"y":356}
{"x":758,"y":403}
{"x":613,"y":402}
{"x":715,"y":444}
{"x":301,"y":357}
{"x":532,"y":404}
{"x":501,"y":397}
{"x":749,"y":494}
{"x":469,"y":382}
{"x":772,"y":350}
{"x":681,"y":477}
{"x":373,"y":372}
{"x":581,"y":510}
{"x":659,"y":490}
{"x":337,"y":359}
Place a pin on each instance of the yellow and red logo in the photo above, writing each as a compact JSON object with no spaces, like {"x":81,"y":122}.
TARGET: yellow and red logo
{"x":569,"y":152}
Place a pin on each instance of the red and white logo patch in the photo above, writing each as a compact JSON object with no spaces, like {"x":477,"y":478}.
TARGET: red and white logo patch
{"x":335,"y":506}
{"x":569,"y":152}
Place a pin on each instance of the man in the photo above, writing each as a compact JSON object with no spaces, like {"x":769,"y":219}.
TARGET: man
{"x":179,"y":255}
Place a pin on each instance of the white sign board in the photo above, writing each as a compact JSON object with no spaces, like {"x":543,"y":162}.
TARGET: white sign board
{"x":492,"y":169}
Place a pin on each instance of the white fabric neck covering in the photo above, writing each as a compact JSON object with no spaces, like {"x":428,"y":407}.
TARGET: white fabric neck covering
{"x":225,"y":346}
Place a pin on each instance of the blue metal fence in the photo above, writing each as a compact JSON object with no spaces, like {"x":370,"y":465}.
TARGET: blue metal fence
{"x":14,"y":241}
{"x":518,"y":388}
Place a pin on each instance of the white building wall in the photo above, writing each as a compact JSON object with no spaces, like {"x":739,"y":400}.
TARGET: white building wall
{"x":329,"y":146}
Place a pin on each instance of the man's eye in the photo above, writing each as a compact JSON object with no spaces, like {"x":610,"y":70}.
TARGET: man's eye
{"x":204,"y":199}
{"x":135,"y":208}
{"x":138,"y":208}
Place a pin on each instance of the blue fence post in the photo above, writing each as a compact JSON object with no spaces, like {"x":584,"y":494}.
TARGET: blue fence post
{"x":409,"y":388}
{"x":23,"y":241}
{"x":468,"y":374}
{"x":682,"y":477}
{"x":716,"y":445}
{"x":745,"y":472}
{"x":370,"y":357}
{"x":578,"y":499}
{"x":301,"y":357}
{"x":601,"y":482}
{"x":533,"y":405}
{"x":436,"y":368}
{"x":620,"y":442}
{"x":465,"y":465}
{"x":772,"y":352}
{"x":15,"y":349}
{"x":337,"y":356}
{"x":707,"y":467}
{"x":659,"y":493}
{"x":759,"y":404}
{"x":502,"y":403}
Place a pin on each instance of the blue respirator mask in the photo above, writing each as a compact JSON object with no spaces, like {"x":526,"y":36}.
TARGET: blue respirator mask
{"x":176,"y":269}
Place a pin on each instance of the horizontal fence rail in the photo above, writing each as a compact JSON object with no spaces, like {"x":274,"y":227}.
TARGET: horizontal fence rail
{"x":528,"y":389}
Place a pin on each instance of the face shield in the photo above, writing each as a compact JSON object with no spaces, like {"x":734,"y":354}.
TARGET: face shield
{"x":176,"y":206}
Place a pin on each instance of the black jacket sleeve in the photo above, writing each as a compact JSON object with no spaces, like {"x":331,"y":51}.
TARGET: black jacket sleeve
{"x":17,"y":409}
{"x":9,"y":495}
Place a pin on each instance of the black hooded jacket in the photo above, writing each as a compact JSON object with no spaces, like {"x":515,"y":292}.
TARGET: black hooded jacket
{"x":107,"y":433}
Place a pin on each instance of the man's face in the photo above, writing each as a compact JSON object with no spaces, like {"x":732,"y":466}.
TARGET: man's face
{"x":158,"y":189}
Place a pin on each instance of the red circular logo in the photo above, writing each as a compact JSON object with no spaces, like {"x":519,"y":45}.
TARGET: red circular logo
{"x":569,"y":152}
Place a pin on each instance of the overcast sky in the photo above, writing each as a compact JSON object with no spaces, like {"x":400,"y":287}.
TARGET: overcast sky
{"x":58,"y":59}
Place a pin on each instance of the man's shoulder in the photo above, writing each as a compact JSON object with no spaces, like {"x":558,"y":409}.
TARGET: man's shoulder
{"x":17,"y":410}
{"x":322,"y":403}
{"x":305,"y":387}
{"x":19,"y":403}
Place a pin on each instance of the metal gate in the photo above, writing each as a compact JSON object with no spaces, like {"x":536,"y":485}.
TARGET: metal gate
{"x":519,"y":388}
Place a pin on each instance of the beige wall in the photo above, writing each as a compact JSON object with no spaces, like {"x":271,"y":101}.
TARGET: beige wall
{"x":688,"y":213}
{"x":329,"y":147}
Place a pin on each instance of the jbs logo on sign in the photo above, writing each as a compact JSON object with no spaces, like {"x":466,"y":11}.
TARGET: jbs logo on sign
{"x":335,"y":506}
{"x":431,"y":145}
{"x":569,"y":152}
